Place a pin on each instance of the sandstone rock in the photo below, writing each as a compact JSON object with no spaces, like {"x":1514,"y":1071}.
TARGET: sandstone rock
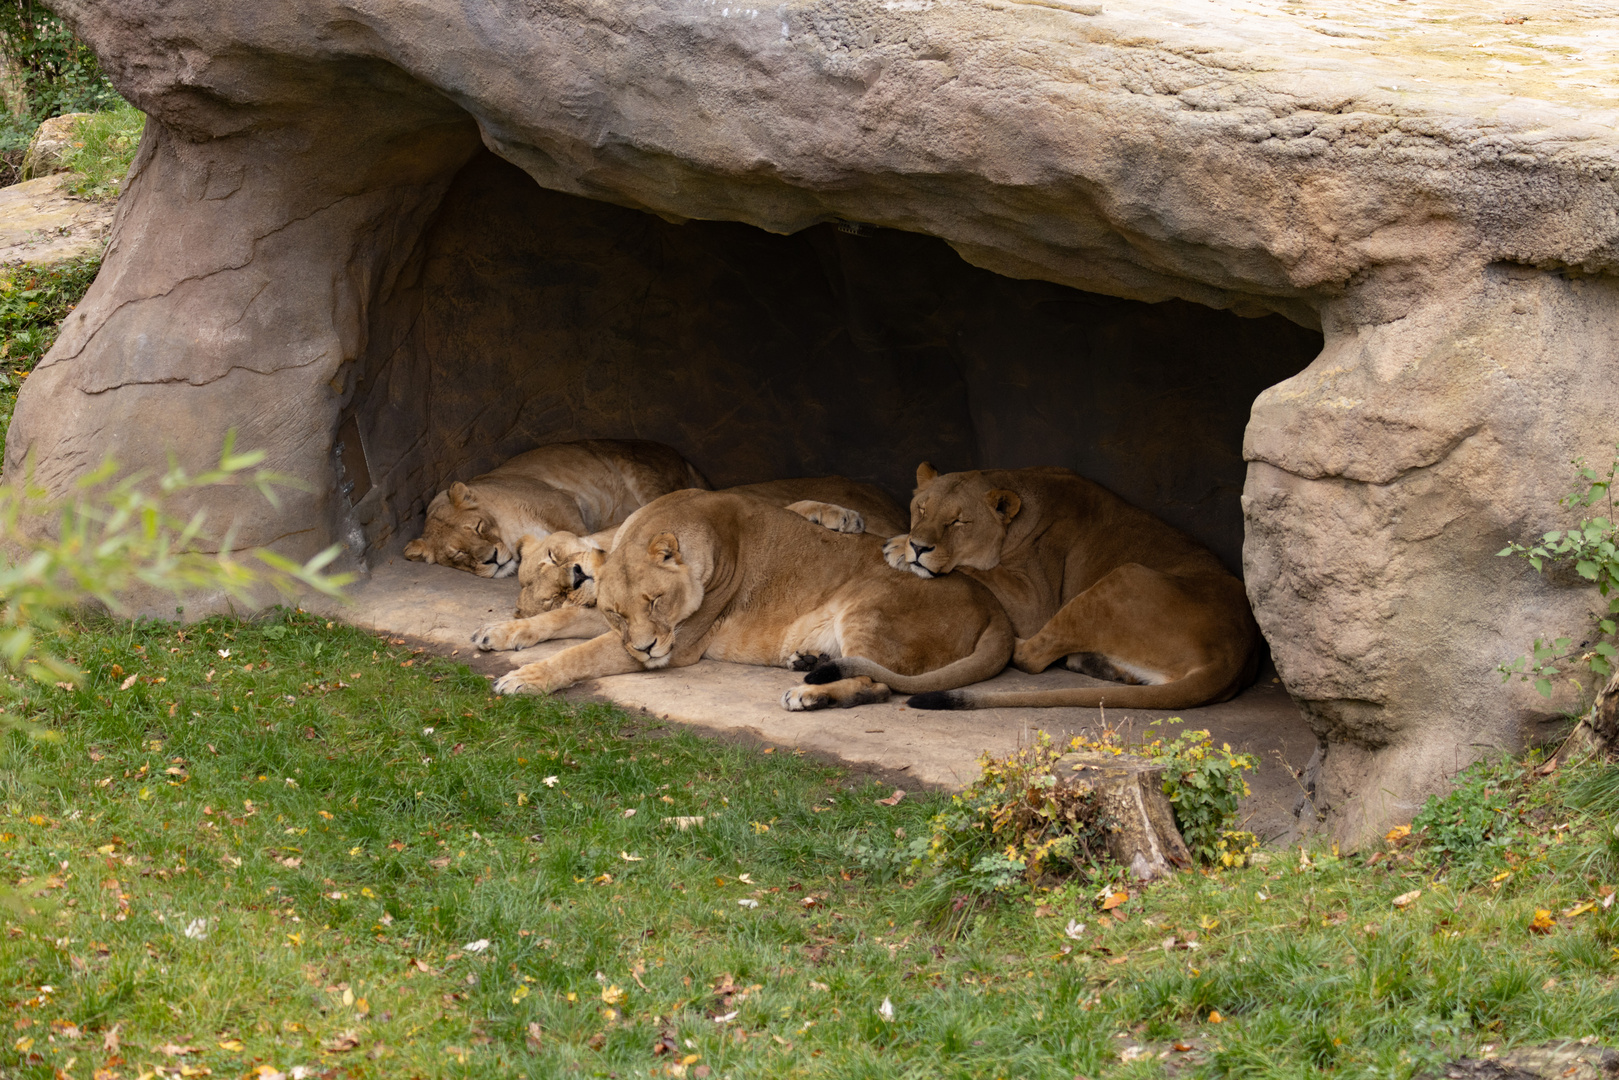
{"x":1432,"y":191}
{"x":49,"y":145}
{"x":41,"y":223}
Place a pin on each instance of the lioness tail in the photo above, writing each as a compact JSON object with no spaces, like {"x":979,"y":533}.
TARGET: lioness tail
{"x":1201,"y":686}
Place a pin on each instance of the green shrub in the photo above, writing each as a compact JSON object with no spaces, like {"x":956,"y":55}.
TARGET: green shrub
{"x":1017,"y":823}
{"x":1479,"y":814}
{"x":1206,"y":787}
{"x":1590,"y":549}
{"x":59,"y":74}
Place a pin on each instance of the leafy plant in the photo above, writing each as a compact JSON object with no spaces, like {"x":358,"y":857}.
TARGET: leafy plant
{"x":104,"y":145}
{"x":58,"y":72}
{"x":1479,"y":812}
{"x":1017,"y":823}
{"x":33,"y":302}
{"x":115,"y":535}
{"x":1590,"y":549}
{"x":1205,"y":786}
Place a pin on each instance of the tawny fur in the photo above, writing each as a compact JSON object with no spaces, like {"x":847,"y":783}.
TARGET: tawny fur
{"x":562,"y":569}
{"x":733,"y":577}
{"x":580,"y":487}
{"x":1084,"y":575}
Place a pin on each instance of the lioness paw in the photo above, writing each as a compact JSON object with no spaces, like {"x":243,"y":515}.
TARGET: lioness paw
{"x":806,"y":699}
{"x":510,"y":683}
{"x":843,"y":694}
{"x":829,"y":516}
{"x":894,"y":551}
{"x":513,"y":634}
{"x":803,"y":661}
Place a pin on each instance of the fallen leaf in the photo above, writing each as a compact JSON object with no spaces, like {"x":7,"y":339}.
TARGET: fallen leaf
{"x":612,"y":995}
{"x":1405,"y":900}
{"x":1397,"y":834}
{"x":534,"y":1033}
{"x":1114,"y":900}
{"x":899,"y":793}
{"x":1580,"y":909}
{"x":233,"y":1045}
{"x":627,"y":857}
{"x":341,"y":1044}
{"x":727,"y":1018}
{"x":109,"y":1038}
{"x":1215,"y":1017}
{"x":476,"y":946}
{"x":886,"y":1009}
{"x":1075,"y":930}
{"x":439,"y":863}
{"x":747,"y":903}
{"x":551,"y":781}
{"x":1542,"y":923}
{"x":127,"y":683}
{"x":683,"y":823}
{"x":172,"y":1050}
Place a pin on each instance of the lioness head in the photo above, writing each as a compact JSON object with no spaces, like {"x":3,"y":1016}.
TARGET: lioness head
{"x":556,"y":570}
{"x":461,"y":535}
{"x":647,"y":588}
{"x":957,"y":519}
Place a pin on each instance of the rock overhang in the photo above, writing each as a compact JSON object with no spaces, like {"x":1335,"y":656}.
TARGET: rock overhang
{"x":1251,"y":155}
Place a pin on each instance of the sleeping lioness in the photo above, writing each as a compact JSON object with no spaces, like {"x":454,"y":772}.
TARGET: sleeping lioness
{"x":1084,"y":575}
{"x":579,"y":487}
{"x":561,"y":568}
{"x":732,"y":577}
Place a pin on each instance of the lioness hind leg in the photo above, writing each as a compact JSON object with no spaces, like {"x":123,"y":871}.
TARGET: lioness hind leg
{"x":1130,"y":626}
{"x":843,"y":694}
{"x":1098,"y":666}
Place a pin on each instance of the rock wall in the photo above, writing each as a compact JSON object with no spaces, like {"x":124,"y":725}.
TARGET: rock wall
{"x":1432,"y":190}
{"x":533,"y":315}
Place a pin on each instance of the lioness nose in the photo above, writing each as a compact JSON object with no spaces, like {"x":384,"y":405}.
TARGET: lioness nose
{"x":647,"y":648}
{"x":918,"y":550}
{"x":579,"y":576}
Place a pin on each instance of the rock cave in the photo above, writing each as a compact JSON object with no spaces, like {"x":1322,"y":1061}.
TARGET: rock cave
{"x":1346,"y":329}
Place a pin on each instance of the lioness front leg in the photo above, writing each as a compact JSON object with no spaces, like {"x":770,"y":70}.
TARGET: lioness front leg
{"x":564,"y":622}
{"x":842,"y":694}
{"x":830,"y":516}
{"x":604,"y":655}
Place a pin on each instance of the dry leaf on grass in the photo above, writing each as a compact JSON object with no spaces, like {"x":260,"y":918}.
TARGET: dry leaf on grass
{"x":899,"y":793}
{"x":1405,"y":900}
{"x":341,"y":1043}
{"x":1114,"y":900}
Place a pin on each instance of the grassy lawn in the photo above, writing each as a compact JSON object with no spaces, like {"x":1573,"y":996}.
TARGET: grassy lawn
{"x":323,"y":852}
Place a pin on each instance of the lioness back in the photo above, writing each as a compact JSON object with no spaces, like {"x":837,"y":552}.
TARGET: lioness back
{"x":579,"y":487}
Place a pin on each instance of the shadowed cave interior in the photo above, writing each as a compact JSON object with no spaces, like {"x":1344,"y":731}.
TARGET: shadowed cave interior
{"x":530,"y":316}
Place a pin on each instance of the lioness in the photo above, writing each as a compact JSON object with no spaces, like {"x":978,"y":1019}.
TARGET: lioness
{"x":733,"y":577}
{"x":561,"y":568}
{"x":575,"y":486}
{"x":1084,"y":575}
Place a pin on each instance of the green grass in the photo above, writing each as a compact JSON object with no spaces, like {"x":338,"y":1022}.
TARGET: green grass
{"x":103,"y":150}
{"x":33,"y":303}
{"x":344,"y":856}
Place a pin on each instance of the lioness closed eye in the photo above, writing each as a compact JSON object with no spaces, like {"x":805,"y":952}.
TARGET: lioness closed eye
{"x":736,"y":578}
{"x":1083,"y":575}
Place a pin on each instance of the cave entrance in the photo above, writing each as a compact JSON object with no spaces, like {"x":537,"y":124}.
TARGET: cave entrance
{"x":530,"y":316}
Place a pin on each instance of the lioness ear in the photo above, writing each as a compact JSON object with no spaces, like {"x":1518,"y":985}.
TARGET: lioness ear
{"x":462,"y":496}
{"x":665,"y":547}
{"x":1005,"y":503}
{"x":926,"y":474}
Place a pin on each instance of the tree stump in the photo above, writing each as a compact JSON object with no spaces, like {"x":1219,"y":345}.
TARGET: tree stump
{"x":1604,"y":721}
{"x":1142,"y":835}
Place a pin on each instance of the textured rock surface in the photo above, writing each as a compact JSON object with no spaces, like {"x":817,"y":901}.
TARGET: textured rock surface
{"x":51,"y":139}
{"x":1429,"y":185}
{"x":41,"y":223}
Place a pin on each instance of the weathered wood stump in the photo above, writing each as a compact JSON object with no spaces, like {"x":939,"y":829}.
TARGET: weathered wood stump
{"x":1604,"y":721}
{"x":1142,"y":835}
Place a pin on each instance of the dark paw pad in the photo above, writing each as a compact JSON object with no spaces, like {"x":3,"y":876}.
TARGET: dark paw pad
{"x":938,"y":699}
{"x":805,"y":661}
{"x":824,"y":672}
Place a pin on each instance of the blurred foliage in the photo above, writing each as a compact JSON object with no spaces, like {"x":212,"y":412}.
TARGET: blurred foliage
{"x":52,"y":72}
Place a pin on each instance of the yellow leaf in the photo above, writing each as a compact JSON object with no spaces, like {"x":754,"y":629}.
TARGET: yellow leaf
{"x":1208,"y":922}
{"x":1499,"y":878}
{"x":1215,"y":1017}
{"x":1115,"y":900}
{"x":522,"y":799}
{"x":324,"y":814}
{"x":1580,"y":909}
{"x":1405,"y":900}
{"x":146,"y":793}
{"x":233,"y":1045}
{"x":519,"y":994}
{"x":295,"y":940}
{"x":362,"y":1006}
{"x":1398,"y":833}
{"x":1542,"y":923}
{"x":612,"y":995}
{"x":348,"y":997}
